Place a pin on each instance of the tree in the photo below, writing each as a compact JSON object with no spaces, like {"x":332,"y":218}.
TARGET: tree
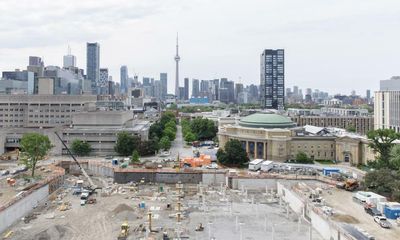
{"x":166,"y":117}
{"x":156,"y":130}
{"x":165,"y":143}
{"x":135,"y":157}
{"x":301,"y":157}
{"x":233,"y":155}
{"x":34,"y":147}
{"x":385,"y":182}
{"x":170,"y":133}
{"x":395,"y":157}
{"x":126,"y":143}
{"x":80,"y":148}
{"x":171,"y":124}
{"x":190,"y":137}
{"x":204,"y":129}
{"x":381,"y":141}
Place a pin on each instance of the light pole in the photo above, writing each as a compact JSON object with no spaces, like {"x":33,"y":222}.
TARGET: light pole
{"x":240,"y":229}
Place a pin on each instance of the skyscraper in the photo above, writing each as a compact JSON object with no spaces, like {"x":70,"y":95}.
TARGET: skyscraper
{"x":186,"y":86}
{"x":103,"y":87}
{"x":239,"y":88}
{"x":93,"y":63}
{"x":164,"y":85}
{"x":272,"y":79}
{"x":177,"y":59}
{"x":195,"y":88}
{"x":69,"y":60}
{"x":124,"y":79}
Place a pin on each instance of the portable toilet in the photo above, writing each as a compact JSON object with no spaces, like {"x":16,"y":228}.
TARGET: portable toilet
{"x":392,"y":210}
{"x":115,"y":162}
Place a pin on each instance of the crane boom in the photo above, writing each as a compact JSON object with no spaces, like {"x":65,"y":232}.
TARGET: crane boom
{"x":92,"y":185}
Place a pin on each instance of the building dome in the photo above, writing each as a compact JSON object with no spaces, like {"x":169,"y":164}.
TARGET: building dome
{"x":266,"y":120}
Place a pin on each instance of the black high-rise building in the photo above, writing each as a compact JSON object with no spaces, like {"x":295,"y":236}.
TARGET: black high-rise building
{"x":272,"y":82}
{"x":186,"y":86}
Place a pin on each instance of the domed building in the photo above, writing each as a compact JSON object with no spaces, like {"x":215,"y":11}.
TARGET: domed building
{"x":275,"y":137}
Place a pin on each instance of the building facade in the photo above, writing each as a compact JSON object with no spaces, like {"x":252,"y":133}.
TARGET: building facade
{"x":361,"y":124}
{"x":272,"y":79}
{"x":387,"y":110}
{"x":274,"y":137}
{"x":195,"y":88}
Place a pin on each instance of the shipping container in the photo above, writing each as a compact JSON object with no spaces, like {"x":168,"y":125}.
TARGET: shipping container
{"x":328,"y":171}
{"x":267,"y":165}
{"x":255,"y":165}
{"x":392,"y":211}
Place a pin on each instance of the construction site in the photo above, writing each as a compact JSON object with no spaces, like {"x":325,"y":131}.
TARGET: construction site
{"x":96,"y":199}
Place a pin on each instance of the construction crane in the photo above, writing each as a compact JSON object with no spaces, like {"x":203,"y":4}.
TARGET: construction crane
{"x":92,"y":187}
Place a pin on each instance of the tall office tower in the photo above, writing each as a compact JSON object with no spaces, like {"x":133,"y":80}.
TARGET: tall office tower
{"x":222,"y":82}
{"x":93,"y":63}
{"x":157,"y":89}
{"x":308,"y":91}
{"x":195,"y":88}
{"x":164,"y":85}
{"x":103,"y":82}
{"x":124,"y":79}
{"x":186,"y":87}
{"x":181,"y":93}
{"x":69,"y":60}
{"x":253,"y":94}
{"x":295,"y":90}
{"x":230,"y":85}
{"x":214,"y":85}
{"x":177,"y":59}
{"x":273,"y":79}
{"x":238,"y":89}
{"x":146,"y":81}
{"x":204,"y":88}
{"x":35,"y":61}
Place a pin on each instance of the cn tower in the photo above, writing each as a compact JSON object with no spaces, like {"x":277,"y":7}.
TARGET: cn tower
{"x":177,"y":59}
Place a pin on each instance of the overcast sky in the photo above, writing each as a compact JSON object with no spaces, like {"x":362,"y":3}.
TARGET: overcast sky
{"x":332,"y":45}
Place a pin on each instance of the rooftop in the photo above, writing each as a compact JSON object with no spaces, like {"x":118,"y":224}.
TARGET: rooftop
{"x":266,"y":120}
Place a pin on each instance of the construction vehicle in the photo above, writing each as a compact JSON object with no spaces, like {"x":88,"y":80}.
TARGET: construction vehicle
{"x":123,"y":235}
{"x":92,"y":187}
{"x":349,"y":184}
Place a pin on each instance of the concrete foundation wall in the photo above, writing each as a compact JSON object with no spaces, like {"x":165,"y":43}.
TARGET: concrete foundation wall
{"x":295,"y":203}
{"x":125,"y":177}
{"x":180,"y":177}
{"x":213,"y":178}
{"x":22,"y":207}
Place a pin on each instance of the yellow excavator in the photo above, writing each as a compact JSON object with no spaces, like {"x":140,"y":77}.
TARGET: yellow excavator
{"x":123,"y":235}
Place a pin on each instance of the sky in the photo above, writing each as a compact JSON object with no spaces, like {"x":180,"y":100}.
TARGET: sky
{"x":331,"y":45}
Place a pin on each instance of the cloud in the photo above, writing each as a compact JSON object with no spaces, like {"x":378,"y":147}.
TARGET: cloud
{"x":44,"y":23}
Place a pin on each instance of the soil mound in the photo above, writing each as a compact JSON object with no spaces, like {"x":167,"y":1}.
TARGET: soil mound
{"x":52,"y":233}
{"x":344,"y":218}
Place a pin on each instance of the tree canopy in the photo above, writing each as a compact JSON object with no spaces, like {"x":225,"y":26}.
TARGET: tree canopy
{"x":126,"y":143}
{"x":385,"y":182}
{"x":80,"y":148}
{"x":34,"y":147}
{"x":233,"y":155}
{"x":165,"y":143}
{"x":381,"y":141}
{"x":301,"y":157}
{"x":135,"y":157}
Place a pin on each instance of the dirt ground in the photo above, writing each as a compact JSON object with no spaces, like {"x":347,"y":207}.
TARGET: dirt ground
{"x":225,"y":214}
{"x":342,"y":202}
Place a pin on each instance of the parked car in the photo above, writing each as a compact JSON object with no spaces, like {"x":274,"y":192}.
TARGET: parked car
{"x":372,"y":211}
{"x":212,"y":166}
{"x":382,"y":221}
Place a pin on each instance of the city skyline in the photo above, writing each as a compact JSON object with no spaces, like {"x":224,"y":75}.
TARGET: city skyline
{"x":348,"y":37}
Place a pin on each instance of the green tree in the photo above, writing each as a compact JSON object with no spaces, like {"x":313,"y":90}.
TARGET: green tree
{"x":170,"y":133}
{"x":34,"y":147}
{"x":171,"y":124}
{"x":385,"y":182}
{"x":190,"y":137}
{"x":301,"y":157}
{"x":165,"y":143}
{"x":166,"y":117}
{"x":204,"y":129}
{"x":233,"y":155}
{"x":126,"y":143}
{"x":135,"y":157}
{"x":381,"y":141}
{"x":80,"y":148}
{"x":395,"y":157}
{"x":156,"y":130}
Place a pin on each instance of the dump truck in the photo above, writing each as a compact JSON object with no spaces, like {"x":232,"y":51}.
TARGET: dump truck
{"x":123,"y":235}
